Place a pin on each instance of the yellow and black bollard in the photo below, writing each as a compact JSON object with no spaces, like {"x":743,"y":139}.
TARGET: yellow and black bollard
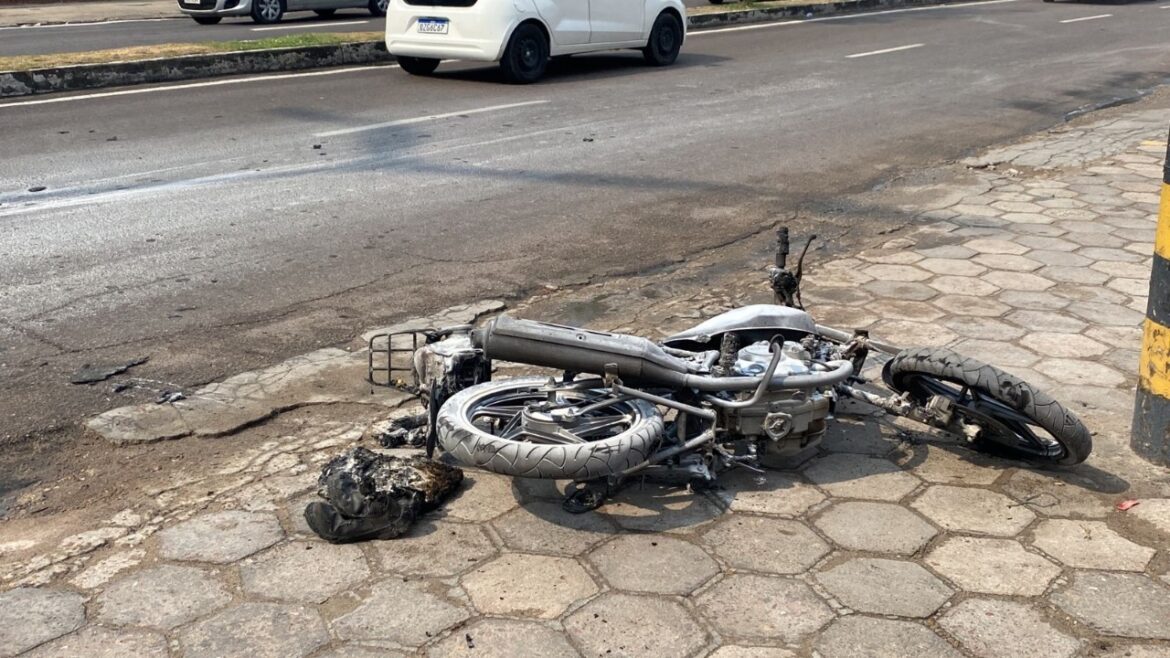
{"x":1151,"y":414}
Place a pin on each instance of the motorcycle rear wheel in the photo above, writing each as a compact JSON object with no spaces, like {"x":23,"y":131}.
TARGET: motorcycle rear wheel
{"x":482,"y":426}
{"x":1016,"y":419}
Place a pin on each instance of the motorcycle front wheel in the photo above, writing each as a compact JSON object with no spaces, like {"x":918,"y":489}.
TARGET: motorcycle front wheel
{"x":1015,"y":418}
{"x":525,"y":428}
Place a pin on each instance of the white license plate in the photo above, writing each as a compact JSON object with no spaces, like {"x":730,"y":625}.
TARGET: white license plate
{"x":433,"y":25}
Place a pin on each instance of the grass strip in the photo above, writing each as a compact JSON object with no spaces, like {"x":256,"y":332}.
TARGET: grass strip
{"x":27,"y":62}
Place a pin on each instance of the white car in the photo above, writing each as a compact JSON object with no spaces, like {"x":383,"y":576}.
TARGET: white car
{"x":522,"y":34}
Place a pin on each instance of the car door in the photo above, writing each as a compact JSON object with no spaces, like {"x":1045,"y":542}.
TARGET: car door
{"x":613,"y":21}
{"x":568,"y":20}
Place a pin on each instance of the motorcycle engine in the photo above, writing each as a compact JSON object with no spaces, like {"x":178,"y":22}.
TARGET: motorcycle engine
{"x":786,"y":421}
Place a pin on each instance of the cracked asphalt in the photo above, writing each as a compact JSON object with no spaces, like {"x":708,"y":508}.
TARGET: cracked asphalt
{"x":201,"y":227}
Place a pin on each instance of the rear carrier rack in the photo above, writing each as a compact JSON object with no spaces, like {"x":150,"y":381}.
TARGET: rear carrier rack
{"x":391,"y":361}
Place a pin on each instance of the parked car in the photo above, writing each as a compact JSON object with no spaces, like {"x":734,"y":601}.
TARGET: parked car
{"x":523,"y":34}
{"x":210,"y":12}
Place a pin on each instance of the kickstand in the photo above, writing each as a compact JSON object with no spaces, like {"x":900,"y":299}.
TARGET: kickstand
{"x":587,"y":497}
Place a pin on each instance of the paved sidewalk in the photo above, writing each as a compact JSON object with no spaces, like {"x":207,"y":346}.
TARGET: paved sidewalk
{"x":86,"y":12}
{"x":886,"y":542}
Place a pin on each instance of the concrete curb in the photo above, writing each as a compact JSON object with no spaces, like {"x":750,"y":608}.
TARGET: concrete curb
{"x":188,"y":67}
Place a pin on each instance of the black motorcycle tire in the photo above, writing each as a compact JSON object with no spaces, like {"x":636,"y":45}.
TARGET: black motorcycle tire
{"x":472,"y":446}
{"x":904,"y":372}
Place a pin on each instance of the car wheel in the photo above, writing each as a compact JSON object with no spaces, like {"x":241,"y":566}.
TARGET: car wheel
{"x":267,"y":11}
{"x":324,"y":13}
{"x":418,"y":65}
{"x":207,"y":20}
{"x":378,"y":7}
{"x":526,"y":57}
{"x":666,"y":39}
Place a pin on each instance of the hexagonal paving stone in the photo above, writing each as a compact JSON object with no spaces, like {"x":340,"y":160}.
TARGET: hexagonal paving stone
{"x":1001,"y":354}
{"x":545,"y":527}
{"x":985,"y":328}
{"x":435,"y":548}
{"x":619,"y":624}
{"x":886,"y":587}
{"x":1104,"y":313}
{"x":528,"y":585}
{"x":359,"y":651}
{"x":992,"y":566}
{"x":973,"y":510}
{"x":1020,"y":281}
{"x":1109,"y":649}
{"x":918,"y":292}
{"x":1051,"y":496}
{"x":1005,"y":629}
{"x":963,"y":285}
{"x":752,"y":607}
{"x":1125,"y":604}
{"x":971,"y":305}
{"x":256,"y":630}
{"x":860,"y":476}
{"x":29,"y":617}
{"x":406,"y":613}
{"x":653,"y":563}
{"x":737,"y":651}
{"x":779,"y":493}
{"x":875,"y":527}
{"x":914,"y":333}
{"x":859,"y":636}
{"x":896,"y":309}
{"x":759,"y":543}
{"x":1075,"y":372}
{"x":98,"y":642}
{"x":482,"y":497}
{"x":1046,"y":320}
{"x":1155,"y":511}
{"x":220,"y":537}
{"x":856,"y":435}
{"x":164,"y":597}
{"x":654,"y":508}
{"x":952,"y":266}
{"x":1081,"y":275}
{"x":1063,"y":345}
{"x":991,"y":246}
{"x":1090,"y":545}
{"x":951,"y":464}
{"x":504,"y":638}
{"x":1008,"y":262}
{"x":304,"y":571}
{"x":896,"y":272}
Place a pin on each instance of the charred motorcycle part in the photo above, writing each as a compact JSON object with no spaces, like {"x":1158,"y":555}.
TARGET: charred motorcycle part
{"x":777,"y":426}
{"x":786,"y":283}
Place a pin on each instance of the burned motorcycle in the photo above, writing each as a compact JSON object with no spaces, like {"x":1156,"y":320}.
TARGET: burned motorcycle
{"x":740,"y":390}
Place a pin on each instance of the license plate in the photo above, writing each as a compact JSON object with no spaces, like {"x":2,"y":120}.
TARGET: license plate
{"x":433,"y":25}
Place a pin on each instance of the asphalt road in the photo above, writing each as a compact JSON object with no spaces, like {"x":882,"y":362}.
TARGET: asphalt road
{"x":81,"y":37}
{"x":223,"y":225}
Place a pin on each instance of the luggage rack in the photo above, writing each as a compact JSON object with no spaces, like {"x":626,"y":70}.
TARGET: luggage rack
{"x":388,"y":358}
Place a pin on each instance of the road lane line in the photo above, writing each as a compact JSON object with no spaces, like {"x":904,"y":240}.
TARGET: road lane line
{"x":1086,"y":18}
{"x":196,"y":85}
{"x":762,"y":26}
{"x":429,"y":117}
{"x":883,"y":51}
{"x":306,"y":26}
{"x":88,"y":24}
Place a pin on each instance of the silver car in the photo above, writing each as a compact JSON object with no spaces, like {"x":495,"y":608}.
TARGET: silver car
{"x":210,"y":12}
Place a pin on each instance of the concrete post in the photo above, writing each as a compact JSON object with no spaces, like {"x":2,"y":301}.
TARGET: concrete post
{"x":1151,"y":413}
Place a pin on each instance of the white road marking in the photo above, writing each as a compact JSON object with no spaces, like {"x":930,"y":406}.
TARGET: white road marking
{"x":306,"y":26}
{"x":429,"y":117}
{"x":88,"y":24}
{"x":885,"y":50}
{"x":196,"y":85}
{"x":762,"y":26}
{"x":1086,"y":18}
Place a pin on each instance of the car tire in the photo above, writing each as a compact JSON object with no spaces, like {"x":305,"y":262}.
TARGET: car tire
{"x":207,"y":20}
{"x":418,"y":65}
{"x":378,"y":7}
{"x":666,"y":39}
{"x":267,"y":11}
{"x":325,"y":13}
{"x":526,"y":57}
